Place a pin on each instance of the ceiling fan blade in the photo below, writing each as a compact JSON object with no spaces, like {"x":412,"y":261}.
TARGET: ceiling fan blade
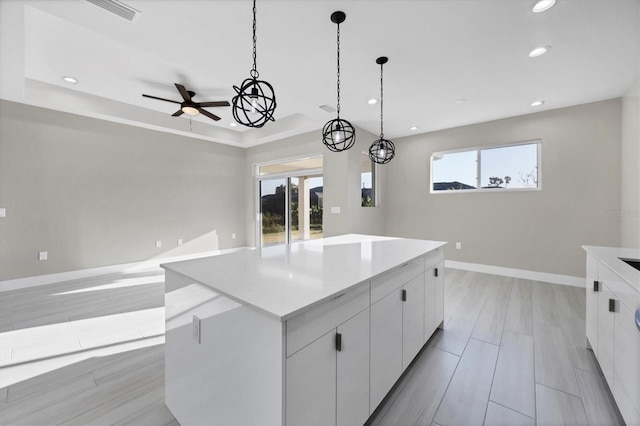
{"x":214,"y":104}
{"x":183,"y":92}
{"x":160,"y":99}
{"x":178,"y":113}
{"x":208,"y":114}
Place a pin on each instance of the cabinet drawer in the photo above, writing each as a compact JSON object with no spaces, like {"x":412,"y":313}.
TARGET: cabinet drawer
{"x":396,"y":278}
{"x":317,"y":321}
{"x":433,"y":257}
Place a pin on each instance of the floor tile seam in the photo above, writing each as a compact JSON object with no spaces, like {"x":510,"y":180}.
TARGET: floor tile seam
{"x":493,"y":377}
{"x":444,"y":394}
{"x":512,"y":409}
{"x":559,"y":390}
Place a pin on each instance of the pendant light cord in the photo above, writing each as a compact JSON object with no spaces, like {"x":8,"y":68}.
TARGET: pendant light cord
{"x":254,"y":71}
{"x":338,"y":84}
{"x":381,"y":104}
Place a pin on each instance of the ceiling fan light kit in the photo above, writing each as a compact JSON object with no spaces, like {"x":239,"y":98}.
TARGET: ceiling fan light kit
{"x":338,"y":134}
{"x":255,"y":100}
{"x":189,"y":106}
{"x":382,"y":150}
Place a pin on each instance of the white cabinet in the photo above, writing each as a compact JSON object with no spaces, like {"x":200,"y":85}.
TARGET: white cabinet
{"x":611,"y":302}
{"x":593,"y":286}
{"x":413,"y":310}
{"x":386,"y":345}
{"x":353,"y":371}
{"x":311,"y":383}
{"x":327,"y":380}
{"x":433,"y":299}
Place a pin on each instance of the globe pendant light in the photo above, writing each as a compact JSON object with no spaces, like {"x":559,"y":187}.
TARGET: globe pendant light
{"x":338,"y":134}
{"x":382,"y":150}
{"x":255,"y":101}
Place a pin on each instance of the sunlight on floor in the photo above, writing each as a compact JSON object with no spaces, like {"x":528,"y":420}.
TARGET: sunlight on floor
{"x":127,"y":282}
{"x":30,"y":352}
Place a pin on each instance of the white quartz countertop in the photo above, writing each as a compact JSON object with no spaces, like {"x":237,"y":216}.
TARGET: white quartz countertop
{"x":284,"y":280}
{"x":611,"y":257}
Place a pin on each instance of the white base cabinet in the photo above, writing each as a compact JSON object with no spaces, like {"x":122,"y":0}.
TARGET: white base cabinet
{"x":612,"y":334}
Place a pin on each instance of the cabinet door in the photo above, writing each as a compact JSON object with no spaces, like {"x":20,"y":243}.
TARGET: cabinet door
{"x":429,"y":303}
{"x":386,"y":346}
{"x":311,"y":383}
{"x":439,"y":295}
{"x":353,"y":371}
{"x":626,"y":364}
{"x":606,"y":323}
{"x":412,"y":319}
{"x":592,"y":301}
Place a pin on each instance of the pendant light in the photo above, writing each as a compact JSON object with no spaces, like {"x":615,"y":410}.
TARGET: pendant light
{"x":382,"y":150}
{"x":255,"y":101}
{"x":338,"y":134}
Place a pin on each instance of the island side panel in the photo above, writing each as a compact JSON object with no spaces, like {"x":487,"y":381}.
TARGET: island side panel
{"x":234,"y":376}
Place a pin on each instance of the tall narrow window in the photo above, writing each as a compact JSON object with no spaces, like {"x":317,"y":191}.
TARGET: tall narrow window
{"x":367,"y":181}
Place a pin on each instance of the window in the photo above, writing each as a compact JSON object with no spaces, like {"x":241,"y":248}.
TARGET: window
{"x":367,"y":181}
{"x":507,"y":167}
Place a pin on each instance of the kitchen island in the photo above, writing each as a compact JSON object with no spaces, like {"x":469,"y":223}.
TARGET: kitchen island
{"x":315,"y":332}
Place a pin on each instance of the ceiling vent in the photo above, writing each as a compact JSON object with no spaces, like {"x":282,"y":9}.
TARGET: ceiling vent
{"x":327,"y":108}
{"x":118,"y":8}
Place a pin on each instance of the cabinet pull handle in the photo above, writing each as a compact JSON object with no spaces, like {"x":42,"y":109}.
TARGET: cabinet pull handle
{"x":612,"y":305}
{"x":404,"y":295}
{"x":339,"y":342}
{"x":596,"y":285}
{"x":435,"y":272}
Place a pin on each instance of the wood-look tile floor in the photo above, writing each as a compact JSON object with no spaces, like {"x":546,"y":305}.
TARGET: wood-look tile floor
{"x":90,"y":352}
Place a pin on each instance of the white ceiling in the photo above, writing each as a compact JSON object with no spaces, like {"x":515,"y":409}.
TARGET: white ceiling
{"x":439,"y":51}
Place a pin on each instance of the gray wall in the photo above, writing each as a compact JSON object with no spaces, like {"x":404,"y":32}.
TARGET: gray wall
{"x":630,"y":171}
{"x":538,"y":231}
{"x":341,"y":183}
{"x":95,"y":193}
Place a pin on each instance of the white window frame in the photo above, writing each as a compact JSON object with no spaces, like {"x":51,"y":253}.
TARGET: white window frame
{"x":479,"y":150}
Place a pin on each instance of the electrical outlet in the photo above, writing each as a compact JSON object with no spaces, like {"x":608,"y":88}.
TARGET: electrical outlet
{"x":196,"y":329}
{"x":233,"y":236}
{"x":335,"y":209}
{"x":458,"y":245}
{"x":3,"y":212}
{"x":179,"y":241}
{"x":43,"y":255}
{"x":158,"y":243}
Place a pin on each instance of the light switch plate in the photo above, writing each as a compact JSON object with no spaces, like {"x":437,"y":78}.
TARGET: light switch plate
{"x":43,"y":255}
{"x":3,"y":212}
{"x":179,"y":241}
{"x":158,"y":243}
{"x":336,"y":210}
{"x":458,"y":246}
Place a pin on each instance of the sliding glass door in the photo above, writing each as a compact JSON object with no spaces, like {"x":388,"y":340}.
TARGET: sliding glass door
{"x":290,"y":209}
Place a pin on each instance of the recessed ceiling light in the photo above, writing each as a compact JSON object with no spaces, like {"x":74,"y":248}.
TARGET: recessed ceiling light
{"x":414,"y":128}
{"x":233,"y":124}
{"x":539,"y":51}
{"x":542,"y":5}
{"x":461,"y":101}
{"x":70,"y":80}
{"x":537,"y":103}
{"x":372,"y":101}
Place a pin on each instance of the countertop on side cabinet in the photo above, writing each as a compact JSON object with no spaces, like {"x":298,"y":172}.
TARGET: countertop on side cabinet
{"x":611,"y":257}
{"x":286,"y":279}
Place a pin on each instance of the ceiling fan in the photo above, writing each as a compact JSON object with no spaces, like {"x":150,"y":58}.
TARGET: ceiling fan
{"x":188,"y":106}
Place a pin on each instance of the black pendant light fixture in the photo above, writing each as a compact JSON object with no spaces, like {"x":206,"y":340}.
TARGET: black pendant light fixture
{"x":338,"y":134}
{"x":382,"y":150}
{"x":255,"y":101}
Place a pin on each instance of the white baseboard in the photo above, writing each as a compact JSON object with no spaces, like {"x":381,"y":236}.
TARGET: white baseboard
{"x":20,"y":283}
{"x":517,"y":273}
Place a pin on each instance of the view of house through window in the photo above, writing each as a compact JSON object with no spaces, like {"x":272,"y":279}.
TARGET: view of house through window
{"x":367,"y":181}
{"x":290,"y":201}
{"x":504,"y":167}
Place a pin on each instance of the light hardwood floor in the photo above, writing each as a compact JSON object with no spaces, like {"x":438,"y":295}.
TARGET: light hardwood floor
{"x":90,"y":352}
